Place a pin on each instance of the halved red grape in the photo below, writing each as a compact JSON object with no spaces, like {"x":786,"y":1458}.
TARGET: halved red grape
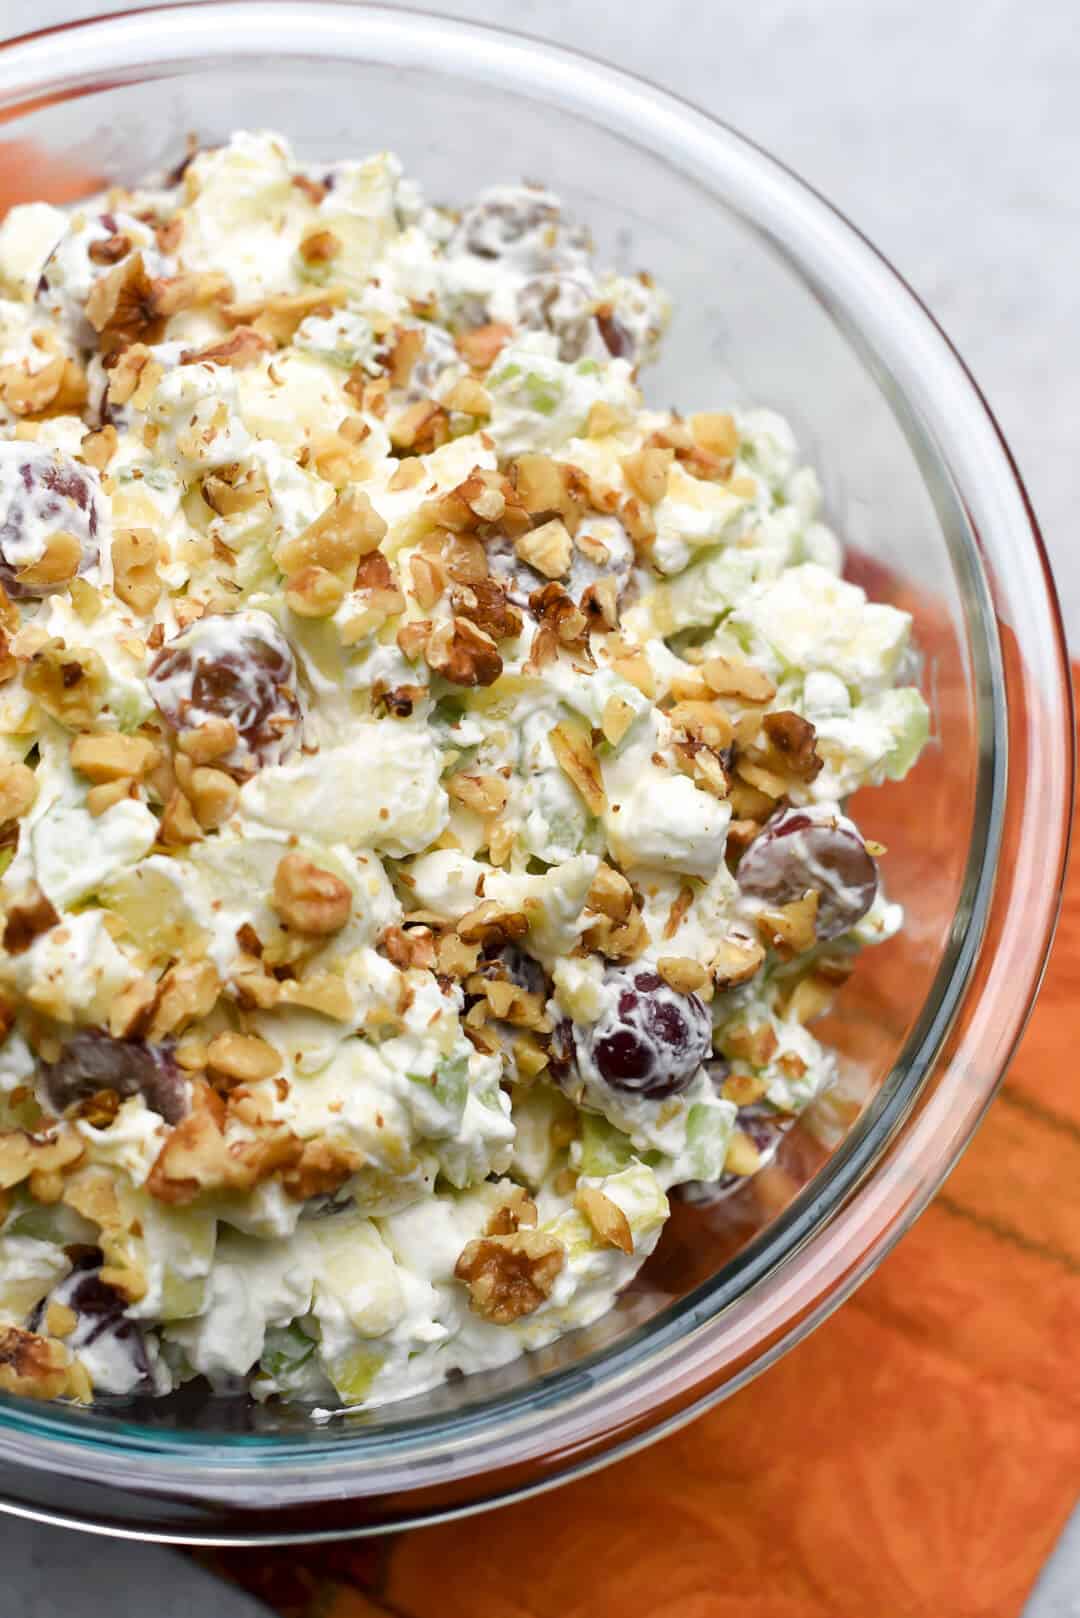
{"x":523,"y":225}
{"x":799,"y":849}
{"x":44,"y":492}
{"x":236,"y":666}
{"x":100,"y":1321}
{"x":92,"y":1060}
{"x":653,"y":1040}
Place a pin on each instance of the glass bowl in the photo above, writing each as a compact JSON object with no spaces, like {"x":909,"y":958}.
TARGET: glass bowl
{"x":780,"y":301}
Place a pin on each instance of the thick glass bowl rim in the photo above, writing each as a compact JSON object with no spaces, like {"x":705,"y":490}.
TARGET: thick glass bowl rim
{"x":678,"y":1357}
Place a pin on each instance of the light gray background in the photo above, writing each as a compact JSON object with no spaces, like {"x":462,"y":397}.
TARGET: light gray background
{"x":949,"y":130}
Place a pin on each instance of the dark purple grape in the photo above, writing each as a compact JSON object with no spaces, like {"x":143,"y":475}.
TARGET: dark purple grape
{"x":99,"y":1311}
{"x":617,"y":340}
{"x":513,"y":963}
{"x":43,"y":492}
{"x":522,"y":225}
{"x":561,"y":305}
{"x":652,"y":1043}
{"x":797,"y":850}
{"x":236,"y":666}
{"x":92,"y":1060}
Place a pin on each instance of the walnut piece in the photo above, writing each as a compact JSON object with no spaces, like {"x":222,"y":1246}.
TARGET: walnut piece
{"x":510,"y":1276}
{"x":69,"y":682}
{"x":29,"y":915}
{"x":242,"y":1058}
{"x":113,"y":757}
{"x":573,"y":749}
{"x":463,"y":654}
{"x":36,"y":1367}
{"x":18,"y":789}
{"x":606,"y":1218}
{"x":310,"y":899}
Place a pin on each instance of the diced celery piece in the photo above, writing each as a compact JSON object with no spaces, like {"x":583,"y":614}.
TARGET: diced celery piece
{"x":908,"y":718}
{"x":286,"y":1349}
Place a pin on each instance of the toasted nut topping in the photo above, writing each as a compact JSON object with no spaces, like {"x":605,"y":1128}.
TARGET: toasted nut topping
{"x":616,"y":720}
{"x":481,"y":346}
{"x":743,"y":1156}
{"x":98,"y":448}
{"x":242,"y":1058}
{"x":35,"y":1367}
{"x":715,"y":432}
{"x":131,"y":1010}
{"x":516,"y":1212}
{"x":484,"y":794}
{"x":682,"y":974}
{"x":319,"y":991}
{"x":29,"y":916}
{"x":213,"y":739}
{"x":349,"y":529}
{"x":463,"y":654}
{"x":610,"y":894}
{"x":113,"y":757}
{"x":18,"y":789}
{"x":811,"y":997}
{"x":120,"y":306}
{"x":793,"y":739}
{"x":320,"y":247}
{"x":606,"y":1218}
{"x":510,"y":1276}
{"x":454,"y":958}
{"x":736,"y":961}
{"x":420,"y":427}
{"x":574,"y":754}
{"x":618,"y":940}
{"x":101,"y":798}
{"x":178,"y":824}
{"x":58,"y":387}
{"x":187,"y":993}
{"x":309,"y":898}
{"x":244,"y":347}
{"x":429,"y":580}
{"x":214,"y":796}
{"x":647,"y":473}
{"x":743,"y":1088}
{"x":790,"y":929}
{"x":548,"y":549}
{"x":135,"y":575}
{"x":636,"y":669}
{"x":314,"y":593}
{"x":491,"y":926}
{"x":58,"y":562}
{"x":745,"y":1043}
{"x":469,"y":397}
{"x":729,"y":678}
{"x":278,"y":316}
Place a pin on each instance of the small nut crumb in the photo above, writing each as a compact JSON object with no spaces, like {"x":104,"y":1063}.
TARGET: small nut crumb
{"x":743,"y":1156}
{"x":101,"y":798}
{"x":549,"y":548}
{"x":214,"y":796}
{"x":18,"y":789}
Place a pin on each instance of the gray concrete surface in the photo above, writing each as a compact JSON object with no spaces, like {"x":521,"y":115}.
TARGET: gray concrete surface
{"x":949,"y":130}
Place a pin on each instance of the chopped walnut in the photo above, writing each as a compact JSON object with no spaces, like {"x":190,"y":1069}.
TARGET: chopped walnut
{"x":745,"y":1042}
{"x":510,"y":1276}
{"x":278,"y":316}
{"x":548,"y":548}
{"x":484,"y":794}
{"x":736,"y":960}
{"x":34,"y":1367}
{"x":647,"y":473}
{"x":490,"y":926}
{"x":794,"y":738}
{"x":69,"y":682}
{"x":484,"y":603}
{"x":310,"y":899}
{"x":482,"y":346}
{"x":729,"y":678}
{"x":212,"y":740}
{"x":606,"y":1218}
{"x":245,"y":346}
{"x":420,"y":428}
{"x":187,"y":993}
{"x":113,"y":757}
{"x":463,"y":654}
{"x":790,"y":929}
{"x":57,"y":388}
{"x":121,"y":306}
{"x":573,"y":749}
{"x":18,"y":789}
{"x":23,"y":1156}
{"x":349,"y":529}
{"x":516,"y":1211}
{"x":241,"y":1058}
{"x":610,"y":894}
{"x":30,"y":915}
{"x":322,"y":1168}
{"x":682,"y":974}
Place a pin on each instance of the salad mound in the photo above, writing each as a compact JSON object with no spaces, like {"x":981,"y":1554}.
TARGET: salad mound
{"x":423,"y":771}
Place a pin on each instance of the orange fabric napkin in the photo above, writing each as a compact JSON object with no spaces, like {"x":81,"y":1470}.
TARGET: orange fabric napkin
{"x":916,"y":1457}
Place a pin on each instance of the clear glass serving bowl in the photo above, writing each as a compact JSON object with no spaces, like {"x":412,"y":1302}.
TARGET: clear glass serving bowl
{"x":778,"y":300}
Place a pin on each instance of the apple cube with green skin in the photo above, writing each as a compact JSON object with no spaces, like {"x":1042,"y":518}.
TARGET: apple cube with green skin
{"x":184,"y":1240}
{"x":357,"y":1271}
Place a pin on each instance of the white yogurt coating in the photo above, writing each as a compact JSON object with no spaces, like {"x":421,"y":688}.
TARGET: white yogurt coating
{"x":424,"y":771}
